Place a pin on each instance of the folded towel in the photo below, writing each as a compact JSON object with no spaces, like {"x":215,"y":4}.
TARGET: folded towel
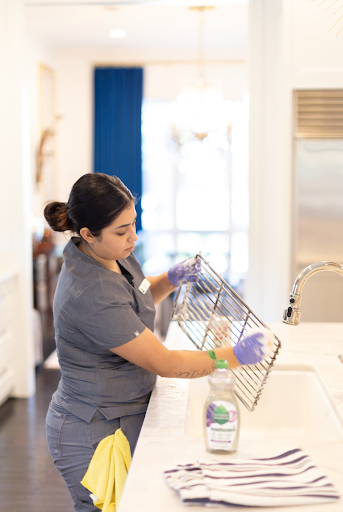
{"x":287,"y":479}
{"x":107,"y":471}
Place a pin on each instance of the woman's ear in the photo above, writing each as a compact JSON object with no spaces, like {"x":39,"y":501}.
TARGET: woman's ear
{"x":87,"y":235}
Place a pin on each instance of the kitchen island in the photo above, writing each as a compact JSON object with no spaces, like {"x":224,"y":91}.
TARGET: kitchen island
{"x":163,"y":442}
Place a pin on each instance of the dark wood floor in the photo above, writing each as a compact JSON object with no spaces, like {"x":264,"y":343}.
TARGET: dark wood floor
{"x":29,"y":481}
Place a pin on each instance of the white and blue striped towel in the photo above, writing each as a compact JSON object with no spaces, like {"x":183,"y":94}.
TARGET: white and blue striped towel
{"x":287,"y":479}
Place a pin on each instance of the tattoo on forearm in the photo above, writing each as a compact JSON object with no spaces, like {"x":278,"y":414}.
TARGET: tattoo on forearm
{"x":195,"y":374}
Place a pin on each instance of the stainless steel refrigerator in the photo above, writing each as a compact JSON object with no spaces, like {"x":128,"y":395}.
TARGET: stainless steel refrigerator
{"x":318,"y":200}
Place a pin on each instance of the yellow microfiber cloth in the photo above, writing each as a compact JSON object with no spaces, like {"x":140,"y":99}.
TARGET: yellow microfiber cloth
{"x":107,"y":471}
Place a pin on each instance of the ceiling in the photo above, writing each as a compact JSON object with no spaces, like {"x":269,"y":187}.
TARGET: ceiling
{"x":162,"y":25}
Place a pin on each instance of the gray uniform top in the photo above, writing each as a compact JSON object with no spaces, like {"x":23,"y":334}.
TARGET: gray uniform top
{"x":96,"y":309}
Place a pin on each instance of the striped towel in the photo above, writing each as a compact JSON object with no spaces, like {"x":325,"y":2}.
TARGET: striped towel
{"x":287,"y":479}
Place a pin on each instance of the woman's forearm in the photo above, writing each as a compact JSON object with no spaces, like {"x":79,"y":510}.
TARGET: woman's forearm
{"x":149,"y":353}
{"x":183,"y":364}
{"x":160,"y":287}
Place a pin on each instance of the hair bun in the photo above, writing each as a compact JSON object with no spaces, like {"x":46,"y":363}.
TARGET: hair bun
{"x":56,"y":216}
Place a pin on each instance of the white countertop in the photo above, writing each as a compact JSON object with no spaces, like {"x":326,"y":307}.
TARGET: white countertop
{"x":163,"y":442}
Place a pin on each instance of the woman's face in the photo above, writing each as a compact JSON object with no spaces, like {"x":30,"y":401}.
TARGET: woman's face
{"x":117,"y":240}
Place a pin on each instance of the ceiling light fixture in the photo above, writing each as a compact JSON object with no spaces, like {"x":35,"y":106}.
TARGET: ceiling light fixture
{"x":117,"y":33}
{"x":200,"y":108}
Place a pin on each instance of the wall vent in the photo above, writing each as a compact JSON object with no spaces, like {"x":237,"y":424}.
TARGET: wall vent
{"x":319,"y":114}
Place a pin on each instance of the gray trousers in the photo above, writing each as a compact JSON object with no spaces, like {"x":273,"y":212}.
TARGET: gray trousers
{"x":72,"y":443}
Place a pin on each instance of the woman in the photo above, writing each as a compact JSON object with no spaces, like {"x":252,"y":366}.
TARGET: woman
{"x":104,"y":321}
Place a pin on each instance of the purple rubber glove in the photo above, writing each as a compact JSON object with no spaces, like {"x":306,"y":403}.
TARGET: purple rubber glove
{"x":254,"y":347}
{"x":185,"y":272}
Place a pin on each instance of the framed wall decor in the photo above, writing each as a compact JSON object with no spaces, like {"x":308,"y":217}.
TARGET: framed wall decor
{"x":45,"y":178}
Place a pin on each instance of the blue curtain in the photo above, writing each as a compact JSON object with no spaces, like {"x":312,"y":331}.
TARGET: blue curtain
{"x":118,"y":94}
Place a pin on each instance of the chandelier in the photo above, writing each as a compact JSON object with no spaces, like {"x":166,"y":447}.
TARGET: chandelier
{"x":200,"y":108}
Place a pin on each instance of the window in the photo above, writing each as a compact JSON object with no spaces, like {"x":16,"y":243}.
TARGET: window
{"x":195,"y":194}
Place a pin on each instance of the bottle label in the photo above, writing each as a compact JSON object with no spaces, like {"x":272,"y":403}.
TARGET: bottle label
{"x":221,"y":425}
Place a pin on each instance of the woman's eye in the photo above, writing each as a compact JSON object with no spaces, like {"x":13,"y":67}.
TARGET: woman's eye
{"x":121,"y":234}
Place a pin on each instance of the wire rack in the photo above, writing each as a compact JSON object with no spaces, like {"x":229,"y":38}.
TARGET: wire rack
{"x":213,"y":315}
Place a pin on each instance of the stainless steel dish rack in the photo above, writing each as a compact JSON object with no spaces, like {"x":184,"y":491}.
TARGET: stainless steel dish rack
{"x":213,"y":315}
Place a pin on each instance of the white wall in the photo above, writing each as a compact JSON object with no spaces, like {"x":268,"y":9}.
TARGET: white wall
{"x":15,"y":179}
{"x":36,"y":53}
{"x":270,"y":157}
{"x":317,"y":50}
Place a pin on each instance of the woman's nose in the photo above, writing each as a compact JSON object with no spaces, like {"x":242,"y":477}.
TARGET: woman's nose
{"x":133,"y":236}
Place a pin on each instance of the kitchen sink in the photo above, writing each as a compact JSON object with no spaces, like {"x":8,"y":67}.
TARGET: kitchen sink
{"x":293,"y":408}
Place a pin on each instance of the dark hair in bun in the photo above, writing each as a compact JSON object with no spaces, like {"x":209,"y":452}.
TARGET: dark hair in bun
{"x":95,"y":201}
{"x":56,"y":216}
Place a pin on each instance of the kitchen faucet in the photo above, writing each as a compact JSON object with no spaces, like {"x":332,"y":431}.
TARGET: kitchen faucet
{"x":291,"y":314}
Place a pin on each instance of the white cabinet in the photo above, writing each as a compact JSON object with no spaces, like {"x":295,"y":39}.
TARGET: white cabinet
{"x":6,"y":336}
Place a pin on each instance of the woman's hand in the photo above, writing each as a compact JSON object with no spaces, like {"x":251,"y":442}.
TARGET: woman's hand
{"x":256,"y":346}
{"x":185,"y":272}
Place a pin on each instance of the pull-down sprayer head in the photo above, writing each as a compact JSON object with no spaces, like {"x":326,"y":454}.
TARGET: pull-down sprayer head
{"x":291,"y":314}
